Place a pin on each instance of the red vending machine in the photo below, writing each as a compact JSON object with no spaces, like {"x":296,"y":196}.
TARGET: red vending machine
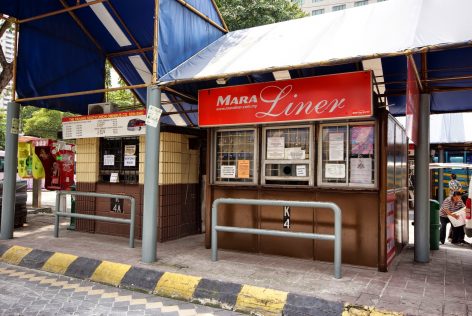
{"x":58,"y":159}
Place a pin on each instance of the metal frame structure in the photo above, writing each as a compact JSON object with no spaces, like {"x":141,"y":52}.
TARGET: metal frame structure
{"x":151,"y":201}
{"x":129,"y":221}
{"x":337,"y":237}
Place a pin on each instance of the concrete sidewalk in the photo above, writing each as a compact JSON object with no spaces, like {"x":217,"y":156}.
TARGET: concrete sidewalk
{"x":441,"y":287}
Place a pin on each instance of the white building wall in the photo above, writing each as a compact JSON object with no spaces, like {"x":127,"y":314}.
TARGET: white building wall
{"x":314,"y":7}
{"x":7,"y":43}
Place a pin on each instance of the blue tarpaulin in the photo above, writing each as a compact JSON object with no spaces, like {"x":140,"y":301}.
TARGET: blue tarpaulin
{"x":67,"y":52}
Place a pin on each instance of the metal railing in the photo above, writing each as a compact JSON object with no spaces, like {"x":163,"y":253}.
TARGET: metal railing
{"x":215,"y":228}
{"x":129,"y":221}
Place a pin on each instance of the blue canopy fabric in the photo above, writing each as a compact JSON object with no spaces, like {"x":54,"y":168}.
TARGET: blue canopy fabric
{"x":56,"y":55}
{"x":437,"y":33}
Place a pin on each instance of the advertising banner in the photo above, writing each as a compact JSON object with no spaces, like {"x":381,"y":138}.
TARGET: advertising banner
{"x":346,"y":95}
{"x":104,"y":125}
{"x":412,"y":101}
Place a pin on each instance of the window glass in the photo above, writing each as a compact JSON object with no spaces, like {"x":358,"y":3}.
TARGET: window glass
{"x":339,"y":7}
{"x":361,"y":3}
{"x":333,"y":154}
{"x":119,"y":156}
{"x":361,"y":154}
{"x":348,"y":155}
{"x":287,"y":156}
{"x":2,"y":164}
{"x":235,"y":156}
{"x":317,"y":12}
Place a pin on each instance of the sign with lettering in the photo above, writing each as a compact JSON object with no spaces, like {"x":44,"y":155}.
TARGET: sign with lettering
{"x":346,"y":95}
{"x":130,"y":123}
{"x":286,"y":217}
{"x":117,"y":205}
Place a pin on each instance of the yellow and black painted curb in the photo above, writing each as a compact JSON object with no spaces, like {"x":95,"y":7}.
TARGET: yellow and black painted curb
{"x":226,"y":295}
{"x":359,"y":310}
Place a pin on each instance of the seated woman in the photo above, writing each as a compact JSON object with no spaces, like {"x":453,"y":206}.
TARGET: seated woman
{"x":449,"y":206}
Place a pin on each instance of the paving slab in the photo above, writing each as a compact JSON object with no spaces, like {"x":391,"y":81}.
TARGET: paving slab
{"x":406,"y":288}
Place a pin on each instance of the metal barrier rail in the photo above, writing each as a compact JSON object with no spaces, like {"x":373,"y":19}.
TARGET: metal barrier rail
{"x":337,"y":226}
{"x":129,"y":221}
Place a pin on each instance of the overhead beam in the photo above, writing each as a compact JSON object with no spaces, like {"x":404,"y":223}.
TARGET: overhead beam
{"x":75,"y":94}
{"x":219,"y":15}
{"x":67,"y":9}
{"x":133,"y":39}
{"x":130,"y":52}
{"x":203,"y":16}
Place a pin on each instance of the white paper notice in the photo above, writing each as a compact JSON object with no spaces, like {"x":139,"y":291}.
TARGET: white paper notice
{"x":153,"y":115}
{"x":295,"y":153}
{"x":114,"y":177}
{"x":275,"y":148}
{"x":336,"y":146}
{"x":301,"y":170}
{"x":228,"y":172}
{"x":335,"y":171}
{"x":361,"y":170}
{"x":130,"y":161}
{"x":108,"y":160}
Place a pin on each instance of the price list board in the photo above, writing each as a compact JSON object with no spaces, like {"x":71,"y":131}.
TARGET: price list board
{"x":104,"y":125}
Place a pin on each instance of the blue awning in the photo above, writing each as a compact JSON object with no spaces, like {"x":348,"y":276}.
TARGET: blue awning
{"x":66,"y":52}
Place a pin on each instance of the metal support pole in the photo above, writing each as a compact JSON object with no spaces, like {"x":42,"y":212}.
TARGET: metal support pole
{"x":11,"y":161}
{"x":441,"y":178}
{"x":422,"y":159}
{"x":151,"y":182}
{"x":37,"y":193}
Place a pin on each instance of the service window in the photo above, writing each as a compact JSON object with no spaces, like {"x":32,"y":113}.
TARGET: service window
{"x":348,"y":155}
{"x":119,"y":160}
{"x":287,"y":155}
{"x":235,"y":156}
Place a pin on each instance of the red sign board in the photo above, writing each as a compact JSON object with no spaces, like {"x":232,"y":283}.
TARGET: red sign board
{"x":412,"y":101}
{"x":347,"y":95}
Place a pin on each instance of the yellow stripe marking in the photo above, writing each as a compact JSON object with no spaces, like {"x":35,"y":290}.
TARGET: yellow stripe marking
{"x":18,"y":274}
{"x":59,"y":263}
{"x":60,"y":283}
{"x":255,"y":299}
{"x":123,"y":298}
{"x":45,"y":281}
{"x":110,"y":295}
{"x":26,"y":276}
{"x":96,"y":292}
{"x":138,"y":301}
{"x":83,"y":289}
{"x":167,"y":309}
{"x":154,"y":305}
{"x":38,"y":278}
{"x":110,"y":272}
{"x":15,"y":254}
{"x":177,"y":285}
{"x":71,"y":286}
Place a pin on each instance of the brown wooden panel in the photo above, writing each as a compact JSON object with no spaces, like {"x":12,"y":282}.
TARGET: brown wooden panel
{"x":237,"y":215}
{"x":360,"y":227}
{"x":301,"y":221}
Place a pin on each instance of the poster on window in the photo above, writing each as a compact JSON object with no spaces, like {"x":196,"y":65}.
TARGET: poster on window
{"x":108,"y":160}
{"x":335,"y":171}
{"x":362,"y":140}
{"x":361,"y":170}
{"x":243,"y":169}
{"x":130,"y":150}
{"x":336,"y":146}
{"x":294,"y":153}
{"x":275,"y":147}
{"x":130,"y":161}
{"x":228,"y":172}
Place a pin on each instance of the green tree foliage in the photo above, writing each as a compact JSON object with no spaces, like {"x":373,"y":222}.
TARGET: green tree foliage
{"x":125,"y":99}
{"x":241,"y":14}
{"x":42,"y":122}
